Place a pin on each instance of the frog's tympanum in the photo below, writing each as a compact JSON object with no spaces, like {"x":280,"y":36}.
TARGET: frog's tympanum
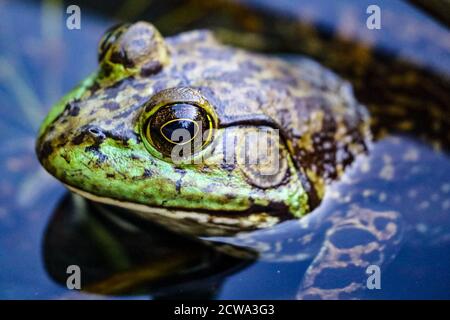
{"x":267,"y":139}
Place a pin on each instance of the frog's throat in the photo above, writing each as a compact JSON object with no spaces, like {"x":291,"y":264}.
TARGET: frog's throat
{"x":187,"y":221}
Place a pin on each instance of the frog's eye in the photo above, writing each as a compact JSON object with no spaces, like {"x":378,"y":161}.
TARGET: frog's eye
{"x":136,"y":48}
{"x":177,"y":122}
{"x":185,"y":125}
{"x":109,"y":38}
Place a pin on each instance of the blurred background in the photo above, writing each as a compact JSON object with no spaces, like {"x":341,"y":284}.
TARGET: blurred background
{"x":40,"y":60}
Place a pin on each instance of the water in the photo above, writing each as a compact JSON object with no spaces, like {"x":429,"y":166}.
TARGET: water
{"x":41,"y":230}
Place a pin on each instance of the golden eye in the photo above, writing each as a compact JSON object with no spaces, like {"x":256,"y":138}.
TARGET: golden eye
{"x":179,"y":124}
{"x":177,"y":121}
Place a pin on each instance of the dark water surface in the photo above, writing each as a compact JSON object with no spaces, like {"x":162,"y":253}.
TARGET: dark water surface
{"x":41,"y":230}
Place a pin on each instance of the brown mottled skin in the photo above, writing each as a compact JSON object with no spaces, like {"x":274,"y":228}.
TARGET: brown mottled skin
{"x":94,"y":141}
{"x":321,"y":124}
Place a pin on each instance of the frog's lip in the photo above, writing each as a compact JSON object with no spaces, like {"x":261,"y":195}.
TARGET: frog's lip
{"x":189,"y":221}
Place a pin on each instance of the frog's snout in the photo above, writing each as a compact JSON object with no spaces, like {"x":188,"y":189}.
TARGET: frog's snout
{"x":136,"y":48}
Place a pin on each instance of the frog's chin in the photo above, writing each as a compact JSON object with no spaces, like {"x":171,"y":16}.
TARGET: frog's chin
{"x":190,"y":222}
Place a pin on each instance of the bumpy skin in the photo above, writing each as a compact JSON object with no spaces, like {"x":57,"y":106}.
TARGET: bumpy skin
{"x":92,"y":140}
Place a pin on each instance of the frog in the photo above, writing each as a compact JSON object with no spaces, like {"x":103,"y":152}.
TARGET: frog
{"x":111,"y":140}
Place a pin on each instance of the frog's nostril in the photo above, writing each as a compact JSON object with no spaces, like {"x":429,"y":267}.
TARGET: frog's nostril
{"x":97,"y":133}
{"x":94,"y":131}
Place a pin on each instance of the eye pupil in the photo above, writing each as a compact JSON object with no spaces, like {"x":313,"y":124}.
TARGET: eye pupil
{"x":178,"y":124}
{"x":180,"y":131}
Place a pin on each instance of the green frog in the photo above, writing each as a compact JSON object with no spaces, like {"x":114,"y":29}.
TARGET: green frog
{"x":278,"y":151}
{"x":111,"y":137}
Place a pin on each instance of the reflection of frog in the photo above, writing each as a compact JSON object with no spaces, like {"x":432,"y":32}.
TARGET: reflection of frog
{"x":110,"y":141}
{"x":114,"y":262}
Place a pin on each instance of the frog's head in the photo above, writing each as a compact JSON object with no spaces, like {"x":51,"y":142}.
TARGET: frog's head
{"x":118,"y":138}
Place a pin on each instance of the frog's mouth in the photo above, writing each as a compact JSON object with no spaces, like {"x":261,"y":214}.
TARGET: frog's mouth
{"x":192,"y":222}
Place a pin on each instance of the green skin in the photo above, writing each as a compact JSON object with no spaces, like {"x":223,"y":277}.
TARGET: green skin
{"x":93,"y":140}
